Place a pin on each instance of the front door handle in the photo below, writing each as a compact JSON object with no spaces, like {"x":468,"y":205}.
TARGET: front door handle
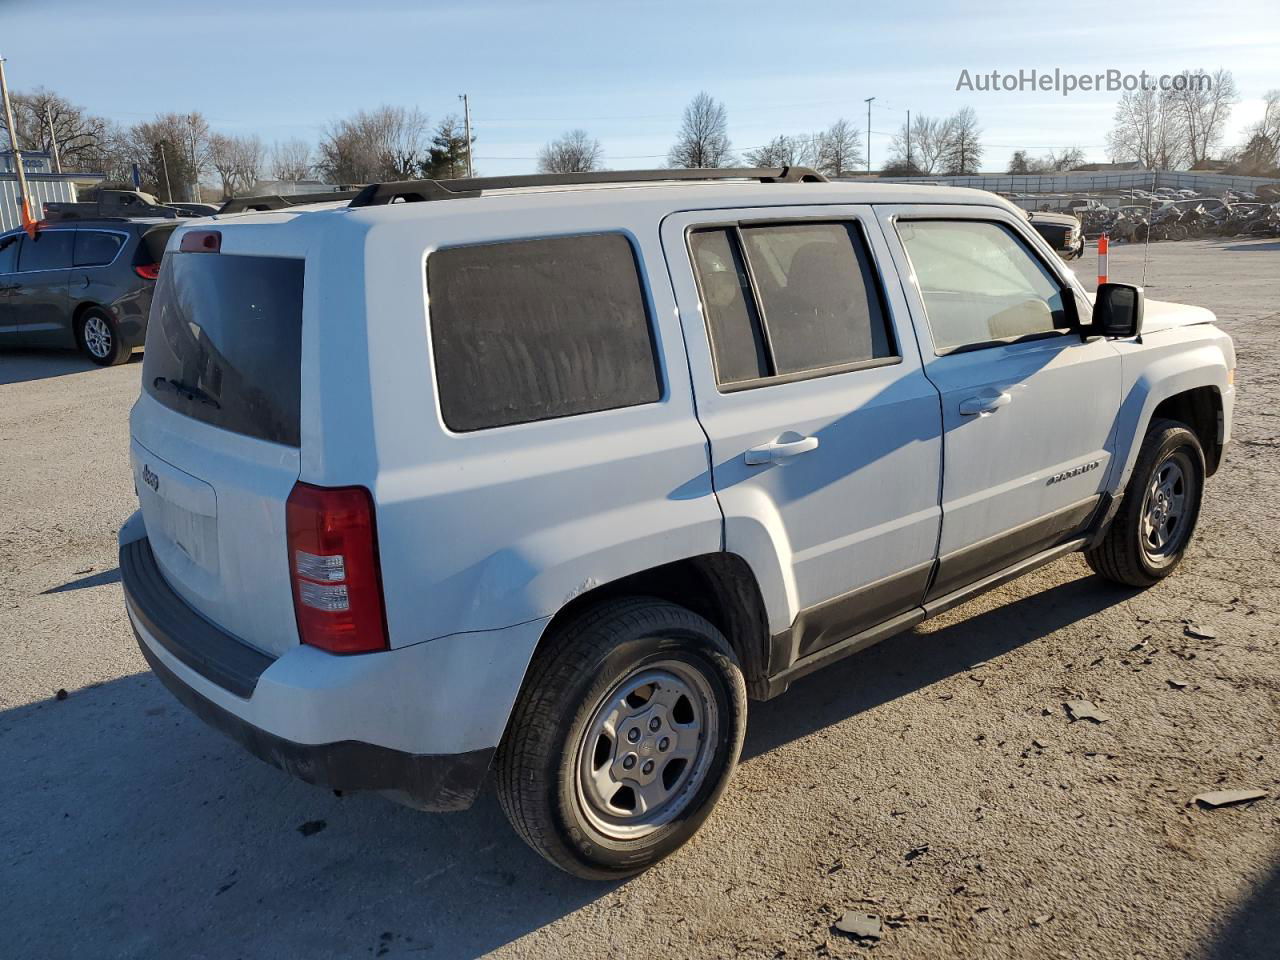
{"x":984,"y":406}
{"x":780,"y":450}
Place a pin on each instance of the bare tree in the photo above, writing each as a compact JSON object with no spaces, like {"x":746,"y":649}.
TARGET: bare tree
{"x":387,"y":143}
{"x":1269,"y":125}
{"x":291,"y":160}
{"x":238,"y":161}
{"x":82,"y":138}
{"x":784,"y":151}
{"x":703,"y":140}
{"x":923,"y":147}
{"x":838,"y":149}
{"x":1260,"y":154}
{"x":1146,"y":131}
{"x":172,"y":152}
{"x":1202,"y":111}
{"x":1053,"y":162}
{"x":964,"y":150}
{"x":575,"y":152}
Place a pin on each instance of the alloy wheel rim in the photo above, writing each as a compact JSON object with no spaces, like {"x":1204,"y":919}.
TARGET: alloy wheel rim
{"x":97,"y":336}
{"x":646,"y":750}
{"x":1166,"y":506}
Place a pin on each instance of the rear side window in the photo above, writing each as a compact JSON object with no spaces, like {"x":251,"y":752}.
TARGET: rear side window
{"x":224,"y":342}
{"x":787,"y":299}
{"x":539,"y":329}
{"x":95,"y":248}
{"x":47,"y":250}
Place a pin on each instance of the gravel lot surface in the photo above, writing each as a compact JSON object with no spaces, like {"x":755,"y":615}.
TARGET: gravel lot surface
{"x":934,"y":781}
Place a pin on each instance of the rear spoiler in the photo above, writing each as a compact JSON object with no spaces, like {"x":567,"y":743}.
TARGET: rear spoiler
{"x":280,"y":202}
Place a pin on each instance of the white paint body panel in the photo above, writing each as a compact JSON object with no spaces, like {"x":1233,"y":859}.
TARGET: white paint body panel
{"x":860,"y":507}
{"x":1063,"y":393}
{"x":484,"y":536}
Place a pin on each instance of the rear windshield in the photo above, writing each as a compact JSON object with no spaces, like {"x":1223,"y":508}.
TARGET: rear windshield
{"x":224,"y":343}
{"x":151,"y":249}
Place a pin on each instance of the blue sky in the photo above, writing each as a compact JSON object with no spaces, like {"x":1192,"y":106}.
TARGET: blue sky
{"x":624,"y":70}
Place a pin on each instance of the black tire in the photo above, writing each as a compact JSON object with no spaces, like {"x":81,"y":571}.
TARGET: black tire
{"x":99,"y":338}
{"x":540,"y":773}
{"x":1126,"y":553}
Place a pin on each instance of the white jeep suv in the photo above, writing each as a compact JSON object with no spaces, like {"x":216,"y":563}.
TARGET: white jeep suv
{"x":550,"y":474}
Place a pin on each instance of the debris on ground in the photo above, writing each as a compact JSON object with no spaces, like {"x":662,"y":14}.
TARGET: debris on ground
{"x":864,"y":926}
{"x":84,"y":570}
{"x":312,"y":827}
{"x":1199,"y":631}
{"x":60,"y":695}
{"x":917,"y":851}
{"x":1041,"y":920}
{"x":1178,"y":684}
{"x":1227,"y":798}
{"x":1085,"y":710}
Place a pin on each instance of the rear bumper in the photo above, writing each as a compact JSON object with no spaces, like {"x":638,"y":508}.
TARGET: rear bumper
{"x":425,"y":781}
{"x":420,"y":723}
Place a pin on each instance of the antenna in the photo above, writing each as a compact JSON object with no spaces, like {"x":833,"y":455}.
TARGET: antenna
{"x":1146,"y":247}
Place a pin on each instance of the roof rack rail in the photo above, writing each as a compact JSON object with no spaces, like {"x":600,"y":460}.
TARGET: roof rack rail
{"x":412,"y":191}
{"x":280,"y":202}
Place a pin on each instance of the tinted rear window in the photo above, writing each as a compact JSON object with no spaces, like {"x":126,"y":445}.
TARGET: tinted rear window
{"x":151,"y":249}
{"x":48,"y":250}
{"x":224,"y":343}
{"x":537,"y":329}
{"x":96,"y":248}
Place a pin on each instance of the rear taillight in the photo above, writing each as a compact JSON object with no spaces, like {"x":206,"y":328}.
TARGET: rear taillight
{"x":333,"y":564}
{"x":147,"y":271}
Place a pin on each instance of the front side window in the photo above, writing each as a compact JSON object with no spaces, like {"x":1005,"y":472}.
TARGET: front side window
{"x":980,"y":283}
{"x":95,"y":248}
{"x":47,"y":250}
{"x":789,"y":298}
{"x":9,"y":252}
{"x":538,"y":329}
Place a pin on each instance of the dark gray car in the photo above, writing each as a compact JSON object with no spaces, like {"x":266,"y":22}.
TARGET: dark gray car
{"x":85,"y":285}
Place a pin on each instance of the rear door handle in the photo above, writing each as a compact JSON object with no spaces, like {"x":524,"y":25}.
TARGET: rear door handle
{"x":984,"y":406}
{"x":780,"y":450}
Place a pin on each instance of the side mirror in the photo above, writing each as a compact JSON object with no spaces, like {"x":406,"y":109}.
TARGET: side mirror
{"x":1117,"y":310}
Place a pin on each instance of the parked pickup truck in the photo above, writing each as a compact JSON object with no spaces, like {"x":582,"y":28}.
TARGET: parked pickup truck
{"x":111,"y":203}
{"x":514,"y":474}
{"x":1061,"y":231}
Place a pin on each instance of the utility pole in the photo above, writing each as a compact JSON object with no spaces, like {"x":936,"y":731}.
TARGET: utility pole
{"x":195,"y":172}
{"x":869,"y":99}
{"x":53,"y":140}
{"x":27,"y":220}
{"x":164,"y":162}
{"x":466,"y":122}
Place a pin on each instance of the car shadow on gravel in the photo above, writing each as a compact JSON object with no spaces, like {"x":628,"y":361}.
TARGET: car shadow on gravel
{"x":916,"y":659}
{"x":129,"y":829}
{"x":21,"y":366}
{"x":1253,"y":931}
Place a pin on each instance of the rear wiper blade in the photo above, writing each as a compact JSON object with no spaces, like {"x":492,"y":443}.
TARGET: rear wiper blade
{"x":186,"y":390}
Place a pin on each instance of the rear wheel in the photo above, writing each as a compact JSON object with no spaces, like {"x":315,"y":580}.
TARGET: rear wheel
{"x":623,"y":738}
{"x":1151,"y":530}
{"x":99,"y":338}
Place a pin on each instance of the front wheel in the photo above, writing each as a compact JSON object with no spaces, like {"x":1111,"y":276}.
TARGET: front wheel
{"x":1150,"y":532}
{"x":99,"y":338}
{"x":623,"y":739}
